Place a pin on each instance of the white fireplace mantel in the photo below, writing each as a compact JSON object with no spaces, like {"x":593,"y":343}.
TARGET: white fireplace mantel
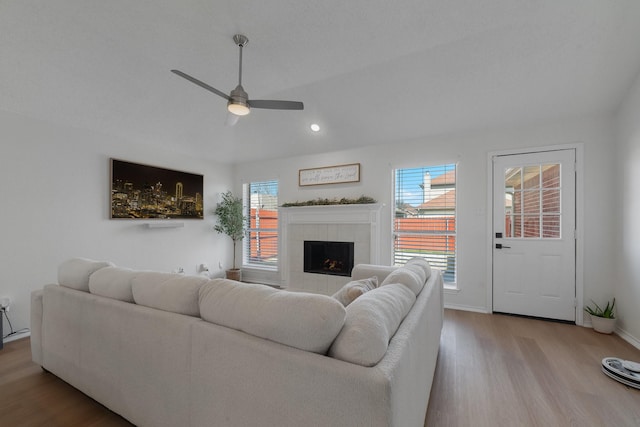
{"x":332,"y":216}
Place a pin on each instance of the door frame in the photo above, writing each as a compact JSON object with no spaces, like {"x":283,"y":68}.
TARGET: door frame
{"x":579,"y":150}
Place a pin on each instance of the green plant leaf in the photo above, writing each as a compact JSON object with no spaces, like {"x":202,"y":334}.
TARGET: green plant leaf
{"x":324,"y":202}
{"x":597,"y":311}
{"x":231,"y":220}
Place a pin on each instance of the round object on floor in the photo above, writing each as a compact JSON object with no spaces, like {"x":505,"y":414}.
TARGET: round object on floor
{"x":614,"y":368}
{"x":632,"y":366}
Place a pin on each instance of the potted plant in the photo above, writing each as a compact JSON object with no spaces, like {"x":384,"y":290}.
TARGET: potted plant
{"x":231,"y":222}
{"x":603,"y":320}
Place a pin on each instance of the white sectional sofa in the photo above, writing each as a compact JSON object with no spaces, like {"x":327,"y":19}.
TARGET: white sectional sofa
{"x":171,"y":350}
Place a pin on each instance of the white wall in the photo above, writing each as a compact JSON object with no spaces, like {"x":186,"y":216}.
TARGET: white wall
{"x":627,"y":279}
{"x":55,"y":202}
{"x":55,"y":205}
{"x":470,"y":151}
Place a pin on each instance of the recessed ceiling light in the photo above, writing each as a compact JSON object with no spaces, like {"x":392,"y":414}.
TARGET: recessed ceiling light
{"x":315,"y":127}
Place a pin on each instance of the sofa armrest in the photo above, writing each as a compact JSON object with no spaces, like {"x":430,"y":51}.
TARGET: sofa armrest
{"x":411,"y":358}
{"x":36,"y":326}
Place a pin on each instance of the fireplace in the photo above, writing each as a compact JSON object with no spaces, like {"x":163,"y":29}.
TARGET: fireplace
{"x":359,"y":224}
{"x":334,"y":258}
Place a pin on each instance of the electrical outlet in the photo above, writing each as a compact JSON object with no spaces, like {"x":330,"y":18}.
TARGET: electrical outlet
{"x":203,"y":267}
{"x":5,"y":302}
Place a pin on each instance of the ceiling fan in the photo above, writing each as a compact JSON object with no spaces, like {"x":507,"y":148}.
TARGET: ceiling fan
{"x":238,"y":102}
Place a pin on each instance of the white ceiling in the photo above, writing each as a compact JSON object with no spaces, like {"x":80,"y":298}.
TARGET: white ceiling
{"x":368,"y":71}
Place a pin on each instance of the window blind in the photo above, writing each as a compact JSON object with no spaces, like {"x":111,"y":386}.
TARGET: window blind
{"x":425,"y":217}
{"x":261,"y":210}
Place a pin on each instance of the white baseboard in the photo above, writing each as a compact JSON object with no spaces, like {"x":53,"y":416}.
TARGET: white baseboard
{"x":621,"y":333}
{"x":628,"y":337}
{"x":466,"y":308}
{"x":17,"y":336}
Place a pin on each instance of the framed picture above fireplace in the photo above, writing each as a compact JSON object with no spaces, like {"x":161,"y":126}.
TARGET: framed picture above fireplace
{"x":150,"y":192}
{"x":337,"y":174}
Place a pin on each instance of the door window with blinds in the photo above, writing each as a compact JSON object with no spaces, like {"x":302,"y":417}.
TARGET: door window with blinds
{"x":260,"y":246}
{"x":532,"y":202}
{"x":425,"y":217}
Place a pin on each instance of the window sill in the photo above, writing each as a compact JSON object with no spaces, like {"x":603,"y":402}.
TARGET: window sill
{"x":251,"y":267}
{"x":451,"y":288}
{"x":270,"y":276}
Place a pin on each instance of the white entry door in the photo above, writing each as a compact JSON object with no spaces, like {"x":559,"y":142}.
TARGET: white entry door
{"x":534,"y":250}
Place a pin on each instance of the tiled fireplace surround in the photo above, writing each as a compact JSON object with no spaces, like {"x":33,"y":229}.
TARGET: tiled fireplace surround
{"x":338,"y":223}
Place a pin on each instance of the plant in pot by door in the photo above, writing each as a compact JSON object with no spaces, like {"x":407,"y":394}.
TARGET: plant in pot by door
{"x":603,"y":320}
{"x":232,"y":223}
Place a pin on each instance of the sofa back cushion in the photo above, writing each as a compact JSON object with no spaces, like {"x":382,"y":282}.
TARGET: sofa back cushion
{"x":74,"y":273}
{"x":167,"y":291}
{"x":371,"y":322}
{"x":306,"y":321}
{"x":113,"y":282}
{"x":422,"y":264}
{"x":407,"y":276}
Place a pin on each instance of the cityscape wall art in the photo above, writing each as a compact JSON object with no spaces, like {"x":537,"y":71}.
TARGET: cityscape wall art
{"x":149,"y":192}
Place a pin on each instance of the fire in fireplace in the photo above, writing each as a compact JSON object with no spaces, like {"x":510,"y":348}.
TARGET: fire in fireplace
{"x":335,"y":258}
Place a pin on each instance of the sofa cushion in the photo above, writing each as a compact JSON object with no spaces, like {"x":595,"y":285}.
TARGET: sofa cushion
{"x":354,"y":289}
{"x":113,"y":282}
{"x":422,"y":264}
{"x":306,"y":321}
{"x":168,"y":291}
{"x":407,"y":277}
{"x":419,"y":271}
{"x":371,"y":322}
{"x":74,"y":273}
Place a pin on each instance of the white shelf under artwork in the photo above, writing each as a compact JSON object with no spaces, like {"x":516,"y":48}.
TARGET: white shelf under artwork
{"x":164,"y":224}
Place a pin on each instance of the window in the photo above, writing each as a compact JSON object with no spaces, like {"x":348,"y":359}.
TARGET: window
{"x":260,"y":245}
{"x":425,"y":217}
{"x":532,"y":202}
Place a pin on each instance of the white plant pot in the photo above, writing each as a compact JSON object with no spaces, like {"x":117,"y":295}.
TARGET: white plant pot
{"x":603,"y":324}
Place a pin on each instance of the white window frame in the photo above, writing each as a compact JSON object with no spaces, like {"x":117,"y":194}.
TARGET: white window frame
{"x":247,"y":262}
{"x":450,"y":277}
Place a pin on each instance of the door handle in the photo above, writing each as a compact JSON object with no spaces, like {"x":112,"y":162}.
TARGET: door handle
{"x":500,"y":246}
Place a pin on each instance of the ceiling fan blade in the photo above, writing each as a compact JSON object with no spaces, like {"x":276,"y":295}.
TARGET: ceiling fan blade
{"x":201,"y":84}
{"x":231,"y":120}
{"x":276,"y":105}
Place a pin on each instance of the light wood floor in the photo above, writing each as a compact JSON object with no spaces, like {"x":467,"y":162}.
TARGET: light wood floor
{"x":493,"y":370}
{"x":497,"y":370}
{"x":30,"y":397}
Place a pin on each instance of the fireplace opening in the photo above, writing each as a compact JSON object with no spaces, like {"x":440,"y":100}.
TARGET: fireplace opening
{"x":335,"y":258}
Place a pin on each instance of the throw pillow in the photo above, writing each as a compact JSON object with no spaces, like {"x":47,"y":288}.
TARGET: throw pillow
{"x":354,"y":289}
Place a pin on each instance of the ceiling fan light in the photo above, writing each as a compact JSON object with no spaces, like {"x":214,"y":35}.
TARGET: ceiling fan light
{"x":239,"y":109}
